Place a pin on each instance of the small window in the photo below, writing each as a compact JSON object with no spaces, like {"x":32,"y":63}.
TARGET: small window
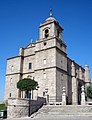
{"x":44,"y":61}
{"x":30,"y":65}
{"x":44,"y":75}
{"x":61,"y":63}
{"x":10,"y":95}
{"x":11,"y":81}
{"x":57,"y":33}
{"x":46,"y":33}
{"x":12,"y":68}
{"x":43,"y":93}
{"x":62,"y":76}
{"x":45,"y":43}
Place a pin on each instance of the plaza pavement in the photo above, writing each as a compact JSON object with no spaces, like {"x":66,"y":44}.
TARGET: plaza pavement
{"x":59,"y":117}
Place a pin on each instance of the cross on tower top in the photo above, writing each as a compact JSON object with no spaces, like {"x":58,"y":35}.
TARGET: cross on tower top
{"x":51,"y":12}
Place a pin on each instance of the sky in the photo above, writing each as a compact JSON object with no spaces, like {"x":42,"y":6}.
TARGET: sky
{"x":20,"y":20}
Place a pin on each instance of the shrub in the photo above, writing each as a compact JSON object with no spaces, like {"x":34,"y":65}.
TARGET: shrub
{"x":89,"y":91}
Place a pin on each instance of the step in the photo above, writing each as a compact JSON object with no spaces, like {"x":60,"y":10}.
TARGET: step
{"x":64,"y":110}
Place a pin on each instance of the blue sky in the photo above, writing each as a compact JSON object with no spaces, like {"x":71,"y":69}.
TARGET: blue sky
{"x":20,"y":20}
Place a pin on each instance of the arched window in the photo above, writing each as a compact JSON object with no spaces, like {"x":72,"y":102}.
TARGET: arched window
{"x":46,"y":33}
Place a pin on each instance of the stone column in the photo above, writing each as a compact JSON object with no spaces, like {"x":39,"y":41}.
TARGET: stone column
{"x":22,"y":94}
{"x":35,"y":95}
{"x":87,"y":75}
{"x":74,"y":86}
{"x":80,"y":73}
{"x":64,"y":96}
{"x":82,"y":96}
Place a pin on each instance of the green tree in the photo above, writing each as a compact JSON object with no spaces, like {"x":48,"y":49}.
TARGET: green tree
{"x":89,"y":91}
{"x":3,"y":107}
{"x":27,"y":85}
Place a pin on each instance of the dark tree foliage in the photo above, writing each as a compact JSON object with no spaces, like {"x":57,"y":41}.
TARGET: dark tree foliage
{"x":27,"y":84}
{"x":3,"y":107}
{"x":89,"y":91}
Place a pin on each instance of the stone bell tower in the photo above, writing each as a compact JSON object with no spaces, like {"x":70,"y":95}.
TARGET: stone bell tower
{"x":51,"y":49}
{"x":50,"y":28}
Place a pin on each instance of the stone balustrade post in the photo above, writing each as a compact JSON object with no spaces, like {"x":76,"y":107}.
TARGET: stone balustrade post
{"x":82,"y":96}
{"x":64,"y":96}
{"x":46,"y":96}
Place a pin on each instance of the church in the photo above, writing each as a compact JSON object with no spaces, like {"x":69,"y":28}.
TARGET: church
{"x":46,"y":61}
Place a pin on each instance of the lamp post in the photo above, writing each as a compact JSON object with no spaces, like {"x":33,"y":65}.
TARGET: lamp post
{"x":29,"y":103}
{"x":46,"y":94}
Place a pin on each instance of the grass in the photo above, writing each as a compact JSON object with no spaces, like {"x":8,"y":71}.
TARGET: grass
{"x":3,"y":107}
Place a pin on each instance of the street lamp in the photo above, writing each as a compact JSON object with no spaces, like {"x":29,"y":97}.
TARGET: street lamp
{"x":29,"y":103}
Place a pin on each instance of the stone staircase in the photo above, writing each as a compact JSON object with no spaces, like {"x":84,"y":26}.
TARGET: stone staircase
{"x":48,"y":110}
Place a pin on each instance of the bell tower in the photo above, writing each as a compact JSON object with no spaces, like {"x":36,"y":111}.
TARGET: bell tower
{"x":50,"y":28}
{"x":52,"y":58}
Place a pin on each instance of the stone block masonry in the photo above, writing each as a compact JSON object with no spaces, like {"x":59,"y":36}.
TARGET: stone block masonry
{"x":17,"y":108}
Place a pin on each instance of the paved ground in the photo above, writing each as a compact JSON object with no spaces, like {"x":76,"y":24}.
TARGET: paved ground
{"x":57,"y":118}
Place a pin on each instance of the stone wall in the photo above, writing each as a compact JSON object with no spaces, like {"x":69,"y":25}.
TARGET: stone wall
{"x":17,"y":108}
{"x":13,"y":65}
{"x":13,"y":75}
{"x":20,"y":107}
{"x":11,"y":86}
{"x":46,"y":83}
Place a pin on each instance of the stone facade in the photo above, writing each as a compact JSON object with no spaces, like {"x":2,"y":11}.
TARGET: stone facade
{"x":46,"y":61}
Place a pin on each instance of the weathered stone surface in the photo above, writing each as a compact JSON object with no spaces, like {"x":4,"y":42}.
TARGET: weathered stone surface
{"x":17,"y":108}
{"x":60,"y":110}
{"x":20,"y":107}
{"x":58,"y":117}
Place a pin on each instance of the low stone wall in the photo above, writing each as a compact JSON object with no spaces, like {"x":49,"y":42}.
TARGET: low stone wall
{"x":20,"y":107}
{"x":17,"y":108}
